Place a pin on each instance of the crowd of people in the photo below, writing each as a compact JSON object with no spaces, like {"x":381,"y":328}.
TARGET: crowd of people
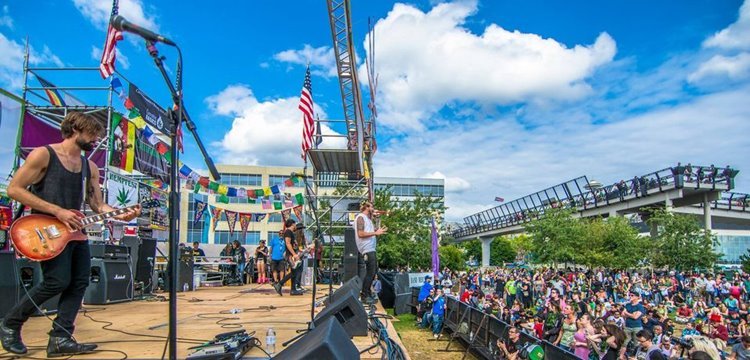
{"x":600,"y":314}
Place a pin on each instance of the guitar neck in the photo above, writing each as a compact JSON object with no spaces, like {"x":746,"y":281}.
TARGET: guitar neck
{"x":103,"y":216}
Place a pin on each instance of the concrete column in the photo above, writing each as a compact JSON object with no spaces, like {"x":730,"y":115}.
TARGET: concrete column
{"x":706,"y":213}
{"x":612,"y":213}
{"x":486,"y":251}
{"x":667,"y":203}
{"x":654,"y":231}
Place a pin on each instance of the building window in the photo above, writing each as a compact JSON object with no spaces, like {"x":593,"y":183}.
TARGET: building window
{"x":196,"y":235}
{"x":272,"y":235}
{"x":241,"y":179}
{"x":223,"y":237}
{"x":274,"y":218}
{"x":276,"y":179}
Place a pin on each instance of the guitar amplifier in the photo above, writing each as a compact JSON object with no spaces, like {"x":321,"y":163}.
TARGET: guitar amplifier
{"x":109,"y":251}
{"x":111,"y":282}
{"x":11,"y":290}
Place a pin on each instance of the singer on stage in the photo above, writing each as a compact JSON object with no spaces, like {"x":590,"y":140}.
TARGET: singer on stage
{"x":366,"y":237}
{"x":51,"y":181}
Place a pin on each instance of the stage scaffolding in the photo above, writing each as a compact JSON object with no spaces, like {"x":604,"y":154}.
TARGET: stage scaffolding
{"x":36,"y":103}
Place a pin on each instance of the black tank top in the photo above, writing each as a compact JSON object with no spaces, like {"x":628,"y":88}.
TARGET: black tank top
{"x":60,"y":186}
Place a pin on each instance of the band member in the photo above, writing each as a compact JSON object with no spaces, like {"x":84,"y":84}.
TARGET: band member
{"x":365,"y":234}
{"x":240,"y":258}
{"x":261,"y":256}
{"x":51,"y":182}
{"x":198,"y":253}
{"x":291,"y":257}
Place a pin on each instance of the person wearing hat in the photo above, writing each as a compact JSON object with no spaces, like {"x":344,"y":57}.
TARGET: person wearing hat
{"x":424,"y":293}
{"x":633,"y":313}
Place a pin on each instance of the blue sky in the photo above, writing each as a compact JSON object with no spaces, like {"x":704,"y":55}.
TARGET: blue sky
{"x":500,"y":98}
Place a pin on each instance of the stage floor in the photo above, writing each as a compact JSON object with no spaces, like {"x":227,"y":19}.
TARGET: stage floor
{"x":201,"y":315}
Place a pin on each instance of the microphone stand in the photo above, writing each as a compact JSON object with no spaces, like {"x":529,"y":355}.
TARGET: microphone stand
{"x":176,"y":116}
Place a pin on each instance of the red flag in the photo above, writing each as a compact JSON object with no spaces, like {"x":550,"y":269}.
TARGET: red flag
{"x":107,"y":63}
{"x":306,"y":106}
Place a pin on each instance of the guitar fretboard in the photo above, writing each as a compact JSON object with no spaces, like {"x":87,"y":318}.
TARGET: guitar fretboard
{"x":99,"y":217}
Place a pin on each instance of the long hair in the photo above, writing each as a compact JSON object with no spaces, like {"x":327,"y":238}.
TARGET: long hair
{"x":615,"y":331}
{"x":83,"y":123}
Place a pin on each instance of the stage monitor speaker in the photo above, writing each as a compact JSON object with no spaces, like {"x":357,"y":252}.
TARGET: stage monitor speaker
{"x":349,"y":312}
{"x":30,"y":274}
{"x":184,"y":275}
{"x":350,"y":244}
{"x":328,"y":340}
{"x":142,"y":257}
{"x":111,"y":281}
{"x":353,"y":286}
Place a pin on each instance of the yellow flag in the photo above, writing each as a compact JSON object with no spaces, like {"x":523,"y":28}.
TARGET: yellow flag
{"x":223,"y":189}
{"x":267,"y":191}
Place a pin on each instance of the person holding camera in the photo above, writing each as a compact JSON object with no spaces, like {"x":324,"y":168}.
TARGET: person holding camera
{"x":510,"y":347}
{"x":647,"y":350}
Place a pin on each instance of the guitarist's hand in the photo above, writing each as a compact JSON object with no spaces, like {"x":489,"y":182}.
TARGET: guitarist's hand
{"x":71,"y":219}
{"x":130,"y":215}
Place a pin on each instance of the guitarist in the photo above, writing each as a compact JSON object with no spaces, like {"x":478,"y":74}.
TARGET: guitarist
{"x":51,"y":181}
{"x":292,"y":256}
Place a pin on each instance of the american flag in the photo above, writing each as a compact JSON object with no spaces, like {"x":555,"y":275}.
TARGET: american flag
{"x":306,"y":106}
{"x":107,"y":64}
{"x":499,"y":199}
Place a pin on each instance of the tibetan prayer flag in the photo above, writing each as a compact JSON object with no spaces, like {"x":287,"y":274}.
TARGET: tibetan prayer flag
{"x":259,"y":193}
{"x":129,"y":104}
{"x":231,"y":221}
{"x":241,"y":193}
{"x":232,"y":192}
{"x":213,"y":186}
{"x":266,"y":204}
{"x":288,"y":203}
{"x":199,"y":208}
{"x":277,"y":205}
{"x":251,"y":194}
{"x":288,"y":182}
{"x":203,"y":181}
{"x":139,"y":122}
{"x":223,"y":189}
{"x":197,"y":188}
{"x":299,"y":199}
{"x":123,"y":143}
{"x":162,"y":148}
{"x":150,"y":136}
{"x":223,"y":199}
{"x":185,"y":171}
{"x":244,"y":222}
{"x":267,"y":191}
{"x":115,"y":82}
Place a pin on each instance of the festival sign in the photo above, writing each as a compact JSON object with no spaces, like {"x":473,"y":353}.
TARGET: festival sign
{"x":121,"y":192}
{"x":150,"y":110}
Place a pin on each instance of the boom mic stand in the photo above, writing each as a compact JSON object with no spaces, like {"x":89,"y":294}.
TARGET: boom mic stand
{"x":176,"y":116}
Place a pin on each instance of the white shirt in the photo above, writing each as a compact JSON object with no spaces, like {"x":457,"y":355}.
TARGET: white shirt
{"x":365,"y":244}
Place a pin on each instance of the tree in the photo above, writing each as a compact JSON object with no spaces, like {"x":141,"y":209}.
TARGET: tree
{"x":681,"y":243}
{"x":745,"y":261}
{"x":522,"y":245}
{"x":555,"y":236}
{"x":452,"y":256}
{"x":501,"y":251}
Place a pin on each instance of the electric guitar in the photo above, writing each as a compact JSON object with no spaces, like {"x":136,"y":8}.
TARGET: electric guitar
{"x":300,"y":255}
{"x":42,"y":237}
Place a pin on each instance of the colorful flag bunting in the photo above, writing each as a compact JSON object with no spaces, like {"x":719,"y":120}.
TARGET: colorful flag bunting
{"x":231,"y":220}
{"x":199,"y":207}
{"x":277,"y":205}
{"x":266,"y":204}
{"x":244,"y":222}
{"x":300,"y":199}
{"x":215,"y":216}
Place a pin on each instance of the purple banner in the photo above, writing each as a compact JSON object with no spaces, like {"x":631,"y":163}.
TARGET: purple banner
{"x":435,"y":252}
{"x":36,"y":133}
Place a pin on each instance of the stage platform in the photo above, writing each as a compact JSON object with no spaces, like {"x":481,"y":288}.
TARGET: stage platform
{"x":201,"y":315}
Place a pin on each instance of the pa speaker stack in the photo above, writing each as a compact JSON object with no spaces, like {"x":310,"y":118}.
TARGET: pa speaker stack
{"x":351,"y":255}
{"x":328,"y":340}
{"x":111,"y":281}
{"x":348,"y":311}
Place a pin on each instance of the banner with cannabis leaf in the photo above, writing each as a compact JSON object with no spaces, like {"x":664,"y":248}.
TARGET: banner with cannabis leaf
{"x":121,"y":191}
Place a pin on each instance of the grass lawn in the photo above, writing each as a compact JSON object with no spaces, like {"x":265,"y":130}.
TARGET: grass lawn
{"x":421,"y":345}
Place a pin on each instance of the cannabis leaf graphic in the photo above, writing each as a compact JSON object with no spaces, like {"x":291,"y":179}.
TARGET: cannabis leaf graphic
{"x":123,"y":197}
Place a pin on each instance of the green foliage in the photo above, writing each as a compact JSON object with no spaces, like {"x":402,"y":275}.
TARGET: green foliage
{"x":681,"y":243}
{"x":745,"y":261}
{"x":408,"y":240}
{"x":522,"y":245}
{"x":501,"y":251}
{"x":453,"y":257}
{"x":555,"y":237}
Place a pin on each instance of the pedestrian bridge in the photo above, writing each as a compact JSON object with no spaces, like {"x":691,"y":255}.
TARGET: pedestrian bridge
{"x":685,"y":189}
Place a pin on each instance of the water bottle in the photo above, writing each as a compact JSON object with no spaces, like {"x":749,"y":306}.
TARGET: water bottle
{"x":185,"y":287}
{"x":270,"y":341}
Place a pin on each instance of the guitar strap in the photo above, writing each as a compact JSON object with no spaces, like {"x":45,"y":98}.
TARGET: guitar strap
{"x":84,"y":180}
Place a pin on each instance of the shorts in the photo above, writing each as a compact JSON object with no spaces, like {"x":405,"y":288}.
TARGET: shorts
{"x":278,"y":265}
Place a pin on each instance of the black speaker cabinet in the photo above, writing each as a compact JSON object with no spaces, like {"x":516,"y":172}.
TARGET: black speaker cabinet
{"x":15,"y":273}
{"x":353,"y":286}
{"x":328,"y":340}
{"x":351,"y":268}
{"x":349,"y":312}
{"x":142,"y":253}
{"x":184,"y":275}
{"x":111,"y":281}
{"x":350,"y":244}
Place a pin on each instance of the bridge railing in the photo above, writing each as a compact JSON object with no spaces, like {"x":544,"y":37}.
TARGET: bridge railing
{"x":731,"y":201}
{"x":581,"y":195}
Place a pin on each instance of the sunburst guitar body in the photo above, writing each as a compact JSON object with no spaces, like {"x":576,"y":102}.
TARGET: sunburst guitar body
{"x":42,"y":237}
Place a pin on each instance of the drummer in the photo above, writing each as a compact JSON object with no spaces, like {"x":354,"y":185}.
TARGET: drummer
{"x":510,"y":346}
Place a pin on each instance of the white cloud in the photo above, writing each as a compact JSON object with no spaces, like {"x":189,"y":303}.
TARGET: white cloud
{"x":452,"y":184}
{"x":5,"y":19}
{"x":735,"y":36}
{"x":11,"y":62}
{"x":723,"y":67}
{"x":322,"y":59}
{"x":263,"y":132}
{"x":429,"y":60}
{"x":502,"y":157}
{"x":96,"y":54}
{"x":99,"y":12}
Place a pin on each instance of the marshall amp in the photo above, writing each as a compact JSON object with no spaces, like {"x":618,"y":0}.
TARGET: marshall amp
{"x":111,"y":282}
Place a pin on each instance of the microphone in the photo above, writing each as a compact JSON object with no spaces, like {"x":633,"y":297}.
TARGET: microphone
{"x":120,"y":23}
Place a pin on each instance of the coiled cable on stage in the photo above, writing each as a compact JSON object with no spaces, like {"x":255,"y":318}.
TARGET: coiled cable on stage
{"x":391,"y":350}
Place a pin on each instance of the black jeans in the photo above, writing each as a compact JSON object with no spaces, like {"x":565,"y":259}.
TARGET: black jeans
{"x":370,"y":261}
{"x":295,"y":274}
{"x":67,"y":275}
